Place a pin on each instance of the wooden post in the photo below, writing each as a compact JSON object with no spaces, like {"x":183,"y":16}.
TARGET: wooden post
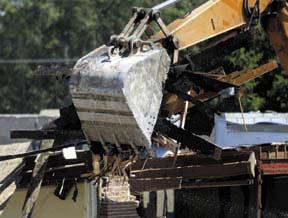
{"x":246,"y":195}
{"x":225,"y":199}
{"x":259,"y":182}
{"x":170,"y":203}
{"x":160,"y":203}
{"x":150,"y":209}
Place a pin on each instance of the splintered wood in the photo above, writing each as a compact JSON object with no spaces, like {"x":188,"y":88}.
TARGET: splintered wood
{"x":36,"y":181}
{"x":174,"y":104}
{"x":10,"y":171}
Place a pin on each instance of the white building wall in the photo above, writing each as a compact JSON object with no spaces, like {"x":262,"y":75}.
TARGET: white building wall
{"x":226,"y":137}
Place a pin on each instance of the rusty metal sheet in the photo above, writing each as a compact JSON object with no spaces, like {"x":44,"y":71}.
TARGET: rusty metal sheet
{"x":274,"y":167}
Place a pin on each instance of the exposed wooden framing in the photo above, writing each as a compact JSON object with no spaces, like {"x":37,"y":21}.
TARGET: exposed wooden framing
{"x":258,"y":184}
{"x":238,"y":78}
{"x":9,"y":185}
{"x":189,"y":139}
{"x":57,"y":174}
{"x":58,"y":167}
{"x":192,"y":159}
{"x":234,"y":168}
{"x":166,"y":142}
{"x":148,"y":185}
{"x":182,"y":125}
{"x":57,"y":159}
{"x":196,"y":172}
{"x":31,"y":153}
{"x":6,"y":195}
{"x":174,"y":104}
{"x":10,"y":171}
{"x":12,"y":177}
{"x":36,"y":181}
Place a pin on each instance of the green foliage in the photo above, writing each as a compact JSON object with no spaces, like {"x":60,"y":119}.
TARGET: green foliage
{"x":65,"y":29}
{"x":277,"y":97}
{"x":265,"y":93}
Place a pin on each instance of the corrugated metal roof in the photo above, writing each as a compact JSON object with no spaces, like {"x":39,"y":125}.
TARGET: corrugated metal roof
{"x":257,"y":117}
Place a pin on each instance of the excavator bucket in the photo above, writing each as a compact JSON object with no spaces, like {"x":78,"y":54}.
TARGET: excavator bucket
{"x":118,"y":98}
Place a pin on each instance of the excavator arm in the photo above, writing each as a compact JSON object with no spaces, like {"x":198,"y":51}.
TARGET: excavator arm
{"x":120,"y":89}
{"x":216,"y":17}
{"x":211,"y":19}
{"x":225,"y":19}
{"x":276,"y":28}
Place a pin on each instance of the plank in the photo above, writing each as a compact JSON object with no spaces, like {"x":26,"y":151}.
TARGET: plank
{"x":8,"y":166}
{"x":36,"y":181}
{"x":12,"y":177}
{"x":58,"y":159}
{"x":41,"y":151}
{"x":5,"y":195}
{"x":197,"y":172}
{"x":192,"y":159}
{"x":174,"y":104}
{"x":189,"y":139}
{"x":217,"y":184}
{"x":10,"y":171}
{"x":53,"y":175}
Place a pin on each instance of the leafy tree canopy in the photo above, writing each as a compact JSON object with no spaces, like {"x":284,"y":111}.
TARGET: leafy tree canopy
{"x":64,"y":30}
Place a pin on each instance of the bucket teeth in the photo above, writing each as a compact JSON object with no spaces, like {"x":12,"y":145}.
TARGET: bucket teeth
{"x":119,"y":97}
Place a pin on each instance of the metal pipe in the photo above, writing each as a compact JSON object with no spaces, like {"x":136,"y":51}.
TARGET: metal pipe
{"x":165,"y":4}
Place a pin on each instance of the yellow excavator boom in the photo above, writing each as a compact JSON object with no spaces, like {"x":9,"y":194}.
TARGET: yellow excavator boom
{"x":209,"y":20}
{"x":276,"y":28}
{"x":216,"y":17}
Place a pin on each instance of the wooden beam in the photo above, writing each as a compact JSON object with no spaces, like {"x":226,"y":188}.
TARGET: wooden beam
{"x":54,"y":176}
{"x":6,"y":194}
{"x":217,"y":184}
{"x":258,"y":185}
{"x":227,"y":156}
{"x":41,"y":151}
{"x":36,"y":181}
{"x":57,"y":160}
{"x":12,"y":176}
{"x":198,"y":172}
{"x":189,"y":139}
{"x":148,"y":185}
{"x":174,"y":104}
{"x":10,"y":171}
{"x":238,"y":78}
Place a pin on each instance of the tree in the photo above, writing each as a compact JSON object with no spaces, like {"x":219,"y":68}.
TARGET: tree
{"x":55,"y":30}
{"x":66,"y":30}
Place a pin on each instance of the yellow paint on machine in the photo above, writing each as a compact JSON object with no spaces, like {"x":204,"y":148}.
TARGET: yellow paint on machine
{"x":209,"y":20}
